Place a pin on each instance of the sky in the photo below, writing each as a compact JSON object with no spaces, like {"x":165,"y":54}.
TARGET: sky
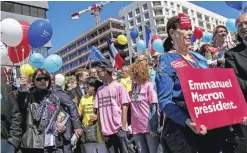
{"x":65,"y":29}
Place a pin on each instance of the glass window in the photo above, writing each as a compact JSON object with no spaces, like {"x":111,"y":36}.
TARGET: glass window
{"x":9,"y":7}
{"x":41,"y":13}
{"x":34,"y":11}
{"x":178,"y":7}
{"x":130,"y":15}
{"x":172,"y":5}
{"x":173,"y":13}
{"x":131,"y":23}
{"x":167,"y":12}
{"x":141,"y":37}
{"x":17,"y":8}
{"x":140,"y":28}
{"x":146,"y":15}
{"x":25,"y":10}
{"x":137,"y":11}
{"x":139,"y":20}
{"x":148,"y":24}
{"x":145,"y":7}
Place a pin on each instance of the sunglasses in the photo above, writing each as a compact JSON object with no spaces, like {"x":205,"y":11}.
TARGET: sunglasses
{"x":42,"y":78}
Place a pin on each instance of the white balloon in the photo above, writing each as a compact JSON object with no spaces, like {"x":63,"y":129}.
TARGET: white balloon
{"x":4,"y":55}
{"x":11,"y":32}
{"x":59,"y":79}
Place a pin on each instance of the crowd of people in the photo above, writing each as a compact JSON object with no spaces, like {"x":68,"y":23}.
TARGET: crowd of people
{"x":139,"y":108}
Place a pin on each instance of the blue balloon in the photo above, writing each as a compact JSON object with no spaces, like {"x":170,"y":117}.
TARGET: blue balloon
{"x":230,"y":25}
{"x":140,"y":45}
{"x":238,"y":5}
{"x":158,"y":46}
{"x":134,"y":33}
{"x":53,"y":63}
{"x":207,"y":37}
{"x":193,"y":38}
{"x":39,"y":33}
{"x":37,"y":60}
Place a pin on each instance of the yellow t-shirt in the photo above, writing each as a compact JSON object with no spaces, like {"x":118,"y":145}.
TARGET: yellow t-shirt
{"x":86,"y":107}
{"x":127,"y":83}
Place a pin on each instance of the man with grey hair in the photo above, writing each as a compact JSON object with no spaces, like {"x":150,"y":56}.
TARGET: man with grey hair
{"x":236,"y":58}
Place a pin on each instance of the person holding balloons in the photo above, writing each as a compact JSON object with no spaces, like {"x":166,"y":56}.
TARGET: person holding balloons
{"x":39,"y":106}
{"x":170,"y":97}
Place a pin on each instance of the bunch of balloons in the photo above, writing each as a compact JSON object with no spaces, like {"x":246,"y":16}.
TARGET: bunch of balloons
{"x":19,"y":37}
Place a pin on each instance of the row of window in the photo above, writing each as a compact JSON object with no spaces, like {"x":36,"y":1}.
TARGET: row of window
{"x":74,"y":64}
{"x":23,"y":9}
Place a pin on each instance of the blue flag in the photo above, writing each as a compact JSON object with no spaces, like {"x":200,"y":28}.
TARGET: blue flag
{"x":148,"y":36}
{"x":95,"y":54}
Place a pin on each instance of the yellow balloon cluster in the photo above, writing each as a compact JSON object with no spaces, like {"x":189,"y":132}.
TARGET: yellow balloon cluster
{"x":26,"y":70}
{"x":122,"y":40}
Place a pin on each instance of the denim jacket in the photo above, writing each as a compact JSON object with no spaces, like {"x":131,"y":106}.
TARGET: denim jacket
{"x":168,"y":85}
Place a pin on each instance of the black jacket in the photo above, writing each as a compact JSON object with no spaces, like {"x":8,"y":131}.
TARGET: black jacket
{"x":68,"y":104}
{"x":33,"y":131}
{"x":10,"y":117}
{"x":236,"y":58}
{"x":76,"y":93}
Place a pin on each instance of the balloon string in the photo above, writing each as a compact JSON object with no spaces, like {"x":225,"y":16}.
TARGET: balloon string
{"x":17,"y":55}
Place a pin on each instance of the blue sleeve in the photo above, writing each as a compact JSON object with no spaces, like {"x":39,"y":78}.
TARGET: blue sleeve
{"x":165,"y":84}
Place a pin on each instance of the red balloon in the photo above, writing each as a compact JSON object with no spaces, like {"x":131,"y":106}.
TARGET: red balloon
{"x":19,"y":53}
{"x":198,"y":32}
{"x":152,"y":51}
{"x":154,"y":38}
{"x":25,"y":27}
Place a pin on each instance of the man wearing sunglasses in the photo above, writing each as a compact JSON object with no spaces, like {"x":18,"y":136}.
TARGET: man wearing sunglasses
{"x":10,"y":116}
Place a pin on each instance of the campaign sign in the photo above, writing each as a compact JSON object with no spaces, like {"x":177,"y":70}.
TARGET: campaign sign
{"x":213,"y":96}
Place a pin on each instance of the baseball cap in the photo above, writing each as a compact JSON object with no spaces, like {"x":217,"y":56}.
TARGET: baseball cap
{"x":106,"y":64}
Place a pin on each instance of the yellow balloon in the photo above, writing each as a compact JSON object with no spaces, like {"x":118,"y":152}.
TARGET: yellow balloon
{"x":122,"y":40}
{"x":26,"y":70}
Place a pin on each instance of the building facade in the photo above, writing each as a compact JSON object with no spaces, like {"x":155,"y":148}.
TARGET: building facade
{"x":28,"y":11}
{"x":75,"y":54}
{"x":155,"y":14}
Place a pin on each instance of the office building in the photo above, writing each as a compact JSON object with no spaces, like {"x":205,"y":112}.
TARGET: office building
{"x":75,"y":53}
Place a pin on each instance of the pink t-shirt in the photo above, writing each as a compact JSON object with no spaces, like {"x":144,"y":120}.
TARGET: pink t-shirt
{"x":143,"y":95}
{"x":109,"y":100}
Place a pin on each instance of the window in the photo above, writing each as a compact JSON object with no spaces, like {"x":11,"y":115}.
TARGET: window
{"x":139,"y":20}
{"x":194,"y":21}
{"x":145,"y":7}
{"x":17,"y":8}
{"x":130,"y":15}
{"x":8,"y":7}
{"x":141,"y":37}
{"x":137,"y":11}
{"x":172,"y":5}
{"x":199,"y":16}
{"x":25,"y":10}
{"x":34,"y":11}
{"x":41,"y":13}
{"x":167,"y":12}
{"x":173,"y":13}
{"x":156,"y":3}
{"x":140,"y":28}
{"x":148,"y":24}
{"x":131,"y":23}
{"x":133,"y":41}
{"x":192,"y":12}
{"x":208,"y":26}
{"x":159,"y":12}
{"x":185,"y":10}
{"x":146,"y":15}
{"x":201,"y":24}
{"x":207,"y":18}
{"x":165,"y":3}
{"x":178,"y":7}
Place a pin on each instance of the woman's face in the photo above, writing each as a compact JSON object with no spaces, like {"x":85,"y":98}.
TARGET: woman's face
{"x":41,"y":81}
{"x":143,"y":59}
{"x":182,"y":38}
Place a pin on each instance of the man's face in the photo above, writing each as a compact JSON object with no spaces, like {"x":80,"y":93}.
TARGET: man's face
{"x":241,"y":25}
{"x":93,"y":72}
{"x":84,"y":77}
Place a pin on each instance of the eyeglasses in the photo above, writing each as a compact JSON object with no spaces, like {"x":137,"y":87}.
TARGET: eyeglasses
{"x":42,"y":78}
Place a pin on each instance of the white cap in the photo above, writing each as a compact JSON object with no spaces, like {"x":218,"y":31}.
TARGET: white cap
{"x":59,"y":79}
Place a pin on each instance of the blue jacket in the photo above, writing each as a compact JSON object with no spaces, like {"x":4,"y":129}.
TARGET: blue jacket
{"x":169,"y":88}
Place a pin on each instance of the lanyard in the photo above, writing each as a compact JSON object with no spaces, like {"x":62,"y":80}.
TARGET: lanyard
{"x":194,"y":61}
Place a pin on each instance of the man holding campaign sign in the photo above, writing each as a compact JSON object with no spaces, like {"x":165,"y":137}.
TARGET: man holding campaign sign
{"x":180,"y":133}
